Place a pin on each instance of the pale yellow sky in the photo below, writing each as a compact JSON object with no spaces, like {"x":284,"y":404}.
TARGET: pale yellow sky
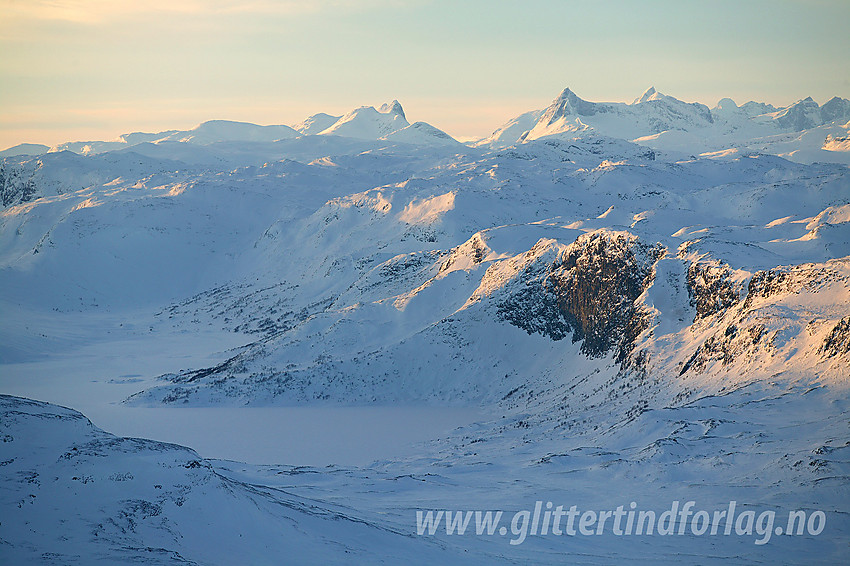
{"x":94,"y":69}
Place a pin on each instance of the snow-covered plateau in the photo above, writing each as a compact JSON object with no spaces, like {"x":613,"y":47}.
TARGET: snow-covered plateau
{"x":598,"y":312}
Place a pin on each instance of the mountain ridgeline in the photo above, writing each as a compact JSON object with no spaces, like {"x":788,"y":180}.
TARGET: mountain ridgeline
{"x":374,"y":260}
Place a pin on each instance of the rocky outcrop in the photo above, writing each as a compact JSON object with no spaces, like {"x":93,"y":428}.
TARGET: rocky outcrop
{"x":589,"y":291}
{"x":726,"y":346}
{"x":837,"y":342}
{"x":711,"y":288}
{"x":15,"y":187}
{"x":769,"y":324}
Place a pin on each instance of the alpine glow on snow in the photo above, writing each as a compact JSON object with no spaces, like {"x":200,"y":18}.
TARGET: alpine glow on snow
{"x":604,"y":332}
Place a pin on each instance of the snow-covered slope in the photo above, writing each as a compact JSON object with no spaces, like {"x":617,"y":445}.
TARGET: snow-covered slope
{"x":508,"y":133}
{"x":390,"y":303}
{"x":224,"y":130}
{"x":652,"y":113}
{"x":316,"y":123}
{"x":210,"y":132}
{"x":421,"y":133}
{"x":639,"y":323}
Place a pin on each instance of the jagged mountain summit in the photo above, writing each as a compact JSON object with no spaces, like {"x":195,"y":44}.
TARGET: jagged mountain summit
{"x":652,"y":113}
{"x":367,"y":122}
{"x":804,"y":131}
{"x":364,"y":123}
{"x":387,"y":123}
{"x":806,"y":114}
{"x":798,"y":132}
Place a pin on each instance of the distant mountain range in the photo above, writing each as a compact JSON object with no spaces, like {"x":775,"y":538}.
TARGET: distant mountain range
{"x":798,"y":132}
{"x":803,"y":131}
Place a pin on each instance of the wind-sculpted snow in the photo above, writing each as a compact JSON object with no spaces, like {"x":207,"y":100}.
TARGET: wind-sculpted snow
{"x":75,"y":494}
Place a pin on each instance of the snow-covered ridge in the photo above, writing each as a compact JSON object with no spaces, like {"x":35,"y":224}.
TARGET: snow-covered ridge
{"x":211,"y":132}
{"x":652,"y":113}
{"x":664,"y":122}
{"x":366,"y":122}
{"x":316,"y":123}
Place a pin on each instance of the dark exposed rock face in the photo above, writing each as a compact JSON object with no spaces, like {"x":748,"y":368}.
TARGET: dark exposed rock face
{"x":590,"y":292}
{"x":784,"y":280}
{"x":837,"y":342}
{"x":800,"y":116}
{"x":14,"y":187}
{"x":835,"y":109}
{"x":725,"y":347}
{"x":711,"y":289}
{"x":767,"y":283}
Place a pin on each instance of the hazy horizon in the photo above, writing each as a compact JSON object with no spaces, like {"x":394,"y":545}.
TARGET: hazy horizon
{"x":93,"y":70}
{"x":412,"y":114}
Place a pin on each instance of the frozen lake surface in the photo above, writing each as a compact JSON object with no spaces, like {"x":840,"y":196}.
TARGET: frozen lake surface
{"x":96,"y":377}
{"x":304,"y":436}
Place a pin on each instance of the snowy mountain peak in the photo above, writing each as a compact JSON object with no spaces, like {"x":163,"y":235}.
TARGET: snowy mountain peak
{"x":570,"y":101}
{"x":650,"y":94}
{"x":651,"y":114}
{"x":566,"y":104}
{"x":566,"y":94}
{"x":393,"y":107}
{"x":726,"y":104}
{"x":806,"y":114}
{"x":836,"y":109}
{"x":368,"y":123}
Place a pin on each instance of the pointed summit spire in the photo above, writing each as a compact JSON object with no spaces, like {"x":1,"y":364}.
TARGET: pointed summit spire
{"x":393,"y":107}
{"x":566,"y":94}
{"x":650,"y":94}
{"x":567,"y":104}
